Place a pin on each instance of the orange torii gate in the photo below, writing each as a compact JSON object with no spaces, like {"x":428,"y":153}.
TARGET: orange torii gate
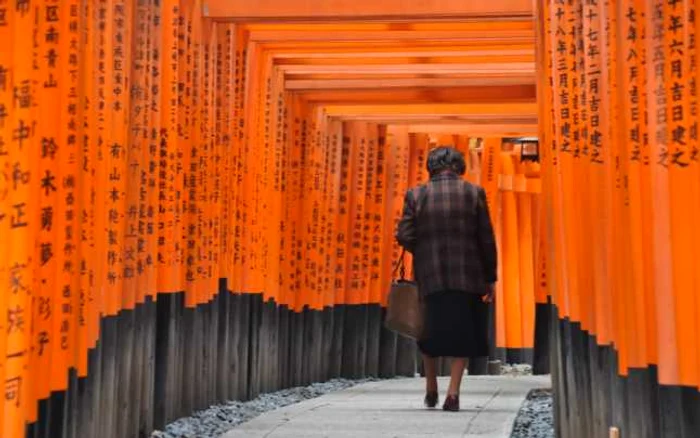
{"x":190,"y":187}
{"x":208,"y":186}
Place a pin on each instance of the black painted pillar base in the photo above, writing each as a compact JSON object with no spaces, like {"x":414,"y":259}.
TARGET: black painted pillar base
{"x":543,"y":318}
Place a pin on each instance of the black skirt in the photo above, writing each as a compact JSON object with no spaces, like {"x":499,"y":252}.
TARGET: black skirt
{"x":455,"y":325}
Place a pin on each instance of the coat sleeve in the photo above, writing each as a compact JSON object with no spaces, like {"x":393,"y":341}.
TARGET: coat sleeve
{"x":406,"y":230}
{"x":486,"y":239}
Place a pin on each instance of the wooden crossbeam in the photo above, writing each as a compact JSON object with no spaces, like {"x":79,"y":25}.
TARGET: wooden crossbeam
{"x":342,"y":10}
{"x":506,"y":129}
{"x":484,"y":25}
{"x":476,"y":94}
{"x":302,"y":55}
{"x":432,"y":119}
{"x":421,"y":68}
{"x":354,"y":48}
{"x":442,"y":109}
{"x":349,"y":84}
{"x":456,"y":36}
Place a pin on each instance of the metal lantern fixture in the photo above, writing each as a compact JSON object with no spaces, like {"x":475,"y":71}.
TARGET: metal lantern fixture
{"x":529,"y":150}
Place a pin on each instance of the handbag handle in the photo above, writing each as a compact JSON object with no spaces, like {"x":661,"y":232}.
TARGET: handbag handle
{"x":400,"y":266}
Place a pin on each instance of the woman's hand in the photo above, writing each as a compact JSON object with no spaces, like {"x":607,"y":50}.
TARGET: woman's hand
{"x":490,"y":294}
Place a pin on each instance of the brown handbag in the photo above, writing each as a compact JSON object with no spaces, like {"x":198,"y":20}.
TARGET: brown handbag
{"x":404,"y":313}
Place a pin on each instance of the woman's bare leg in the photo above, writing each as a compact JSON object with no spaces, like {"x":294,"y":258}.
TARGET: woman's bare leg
{"x":456,"y":373}
{"x":430,"y":367}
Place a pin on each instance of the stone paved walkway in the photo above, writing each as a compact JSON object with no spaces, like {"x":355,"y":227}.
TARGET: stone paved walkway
{"x":394,"y":409}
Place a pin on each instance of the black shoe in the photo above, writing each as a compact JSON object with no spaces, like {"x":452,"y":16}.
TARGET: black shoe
{"x":451,"y":403}
{"x":431,"y":399}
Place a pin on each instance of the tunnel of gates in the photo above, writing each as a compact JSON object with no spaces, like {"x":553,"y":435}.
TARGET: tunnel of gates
{"x":197,"y":199}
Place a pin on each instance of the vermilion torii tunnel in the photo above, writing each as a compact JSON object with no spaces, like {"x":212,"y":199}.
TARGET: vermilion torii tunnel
{"x":198,"y":200}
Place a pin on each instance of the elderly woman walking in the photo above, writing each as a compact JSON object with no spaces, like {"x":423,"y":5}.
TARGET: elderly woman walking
{"x":447,"y":227}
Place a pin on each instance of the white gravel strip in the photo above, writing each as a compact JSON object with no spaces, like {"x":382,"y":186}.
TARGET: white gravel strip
{"x":215,"y":421}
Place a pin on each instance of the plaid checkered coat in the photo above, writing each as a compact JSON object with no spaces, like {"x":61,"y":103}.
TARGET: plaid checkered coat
{"x":447,"y":227}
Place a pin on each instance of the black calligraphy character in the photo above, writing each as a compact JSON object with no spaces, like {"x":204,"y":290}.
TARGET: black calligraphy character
{"x":51,"y":82}
{"x":45,"y":308}
{"x":636,"y":154}
{"x":677,"y":113}
{"x":69,"y":248}
{"x":676,"y":23}
{"x":4,"y":72}
{"x":13,"y":390}
{"x":114,"y":194}
{"x":677,"y":47}
{"x":46,"y":253}
{"x":114,"y":175}
{"x":15,"y":320}
{"x":679,"y":135}
{"x":51,"y":35}
{"x":679,"y":159}
{"x":51,"y":58}
{"x":133,"y":212}
{"x":116,"y":150}
{"x":65,"y":328}
{"x":3,"y":113}
{"x":632,"y":32}
{"x":22,"y":6}
{"x":18,"y":176}
{"x":21,"y":133}
{"x":661,"y":117}
{"x":635,"y":134}
{"x":48,"y":148}
{"x":3,"y":21}
{"x":47,"y":183}
{"x":677,"y":90}
{"x":112,"y":237}
{"x":52,"y":15}
{"x":23,"y":95}
{"x":18,"y":217}
{"x":677,"y":68}
{"x":112,"y":278}
{"x":112,"y":258}
{"x":43,"y":340}
{"x":16,"y":284}
{"x":663,"y":157}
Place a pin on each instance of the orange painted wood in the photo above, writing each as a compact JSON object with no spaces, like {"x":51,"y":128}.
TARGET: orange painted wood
{"x":420,"y":94}
{"x":346,"y":9}
{"x":21,"y":218}
{"x":504,"y":36}
{"x":6,"y":96}
{"x":519,"y":109}
{"x":432,"y":88}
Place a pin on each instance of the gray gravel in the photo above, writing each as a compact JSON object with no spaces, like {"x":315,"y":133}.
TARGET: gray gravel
{"x":536,"y":417}
{"x":215,"y":421}
{"x":516,"y":370}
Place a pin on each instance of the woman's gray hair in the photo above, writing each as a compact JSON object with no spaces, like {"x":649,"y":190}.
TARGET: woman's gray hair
{"x":446,"y":158}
